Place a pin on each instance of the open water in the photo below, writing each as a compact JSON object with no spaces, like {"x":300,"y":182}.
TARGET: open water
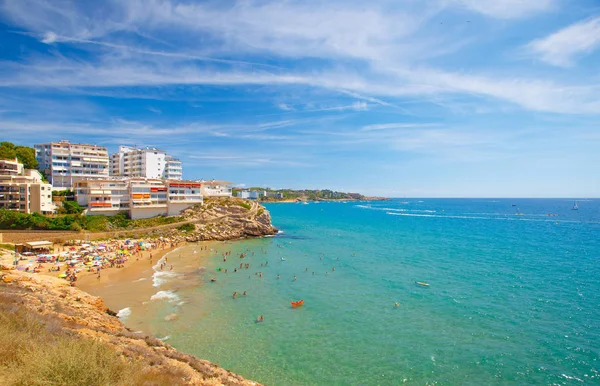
{"x":514,"y":295}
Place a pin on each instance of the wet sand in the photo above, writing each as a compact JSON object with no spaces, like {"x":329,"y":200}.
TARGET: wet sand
{"x":132,"y":287}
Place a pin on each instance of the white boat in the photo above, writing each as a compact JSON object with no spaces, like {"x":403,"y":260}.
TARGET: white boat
{"x":575,"y":207}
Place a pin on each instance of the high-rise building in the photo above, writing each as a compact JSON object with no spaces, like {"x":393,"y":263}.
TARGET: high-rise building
{"x":23,"y":190}
{"x":173,"y":169}
{"x":65,"y":163}
{"x":148,"y":162}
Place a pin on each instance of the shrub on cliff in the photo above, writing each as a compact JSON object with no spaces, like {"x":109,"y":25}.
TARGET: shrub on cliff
{"x":186,"y":228}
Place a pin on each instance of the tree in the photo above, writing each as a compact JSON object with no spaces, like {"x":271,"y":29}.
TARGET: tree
{"x":26,"y":155}
{"x":7,"y":151}
{"x":72,"y":207}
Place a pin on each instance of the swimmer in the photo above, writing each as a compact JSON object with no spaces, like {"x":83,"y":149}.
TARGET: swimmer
{"x":278,"y":276}
{"x":396,"y":304}
{"x":260,"y":319}
{"x":295,"y":278}
{"x":244,"y":293}
{"x":235,"y":295}
{"x":333,"y":269}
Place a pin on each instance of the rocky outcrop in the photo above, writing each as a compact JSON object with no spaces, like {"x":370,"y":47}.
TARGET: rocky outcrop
{"x":76,"y":312}
{"x":228,"y":219}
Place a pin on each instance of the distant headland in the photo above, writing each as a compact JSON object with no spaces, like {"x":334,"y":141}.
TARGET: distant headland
{"x":300,"y":195}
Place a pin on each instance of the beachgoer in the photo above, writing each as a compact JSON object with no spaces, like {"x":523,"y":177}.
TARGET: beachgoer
{"x":396,"y":304}
{"x":244,"y":293}
{"x":235,"y":295}
{"x":295,"y":278}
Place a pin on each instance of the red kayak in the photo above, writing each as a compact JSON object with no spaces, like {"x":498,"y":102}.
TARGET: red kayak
{"x":298,"y":303}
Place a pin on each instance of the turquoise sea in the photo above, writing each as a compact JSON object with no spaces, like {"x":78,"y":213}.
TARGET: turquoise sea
{"x":514,"y":295}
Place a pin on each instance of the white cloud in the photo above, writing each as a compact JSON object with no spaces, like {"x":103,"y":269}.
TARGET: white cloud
{"x":356,"y":106}
{"x":285,"y":107}
{"x":371,"y":52}
{"x":394,"y":126}
{"x":508,"y":9}
{"x":564,"y":46}
{"x":49,"y":38}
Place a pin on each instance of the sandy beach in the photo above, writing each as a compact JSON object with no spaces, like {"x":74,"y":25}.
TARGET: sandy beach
{"x":137,"y":284}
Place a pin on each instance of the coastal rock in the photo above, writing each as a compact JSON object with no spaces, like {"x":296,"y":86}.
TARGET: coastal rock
{"x":87,"y":317}
{"x":228,"y":219}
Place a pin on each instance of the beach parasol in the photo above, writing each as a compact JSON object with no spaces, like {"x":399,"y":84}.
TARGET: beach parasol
{"x":62,"y":275}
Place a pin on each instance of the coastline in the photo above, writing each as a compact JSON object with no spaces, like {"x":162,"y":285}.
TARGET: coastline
{"x":116,"y":275}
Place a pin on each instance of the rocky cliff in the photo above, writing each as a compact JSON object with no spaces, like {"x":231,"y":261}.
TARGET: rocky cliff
{"x":228,"y":219}
{"x":70,"y":311}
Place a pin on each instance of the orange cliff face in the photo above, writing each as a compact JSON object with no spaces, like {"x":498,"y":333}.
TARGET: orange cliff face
{"x":88,"y":317}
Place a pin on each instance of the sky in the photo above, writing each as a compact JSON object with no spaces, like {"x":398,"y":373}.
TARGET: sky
{"x":400,"y":98}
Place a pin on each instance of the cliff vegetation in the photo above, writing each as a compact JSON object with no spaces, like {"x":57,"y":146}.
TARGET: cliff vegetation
{"x":54,"y":334}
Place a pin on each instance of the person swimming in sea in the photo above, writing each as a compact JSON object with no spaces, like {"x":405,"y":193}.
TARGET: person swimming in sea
{"x":260,"y":319}
{"x":295,"y":278}
{"x":235,"y":295}
{"x":396,"y":304}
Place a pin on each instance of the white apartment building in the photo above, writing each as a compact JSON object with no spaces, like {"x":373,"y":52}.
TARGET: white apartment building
{"x":65,"y":163}
{"x":106,"y":197}
{"x":252,"y":194}
{"x":148,"y":162}
{"x":140,"y":197}
{"x":23,"y":189}
{"x":214,"y":188}
{"x":173,"y":169}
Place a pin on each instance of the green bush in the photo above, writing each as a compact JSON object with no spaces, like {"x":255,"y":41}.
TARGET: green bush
{"x":186,"y":228}
{"x":72,"y":207}
{"x":96,"y":223}
{"x":244,"y":205}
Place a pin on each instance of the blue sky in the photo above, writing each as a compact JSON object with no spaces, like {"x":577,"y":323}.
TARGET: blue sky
{"x":439,"y":98}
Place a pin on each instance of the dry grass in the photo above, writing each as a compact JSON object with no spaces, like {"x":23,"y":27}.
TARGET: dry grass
{"x":36,"y":350}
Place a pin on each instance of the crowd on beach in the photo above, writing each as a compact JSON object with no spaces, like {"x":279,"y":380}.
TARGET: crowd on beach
{"x":73,"y":258}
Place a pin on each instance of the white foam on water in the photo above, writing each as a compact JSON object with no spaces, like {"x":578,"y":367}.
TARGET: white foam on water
{"x":573,"y":378}
{"x":142,"y":279}
{"x":166,"y":295}
{"x":165,"y":338}
{"x":512,"y":218}
{"x":124,"y":313}
{"x":161,"y":277}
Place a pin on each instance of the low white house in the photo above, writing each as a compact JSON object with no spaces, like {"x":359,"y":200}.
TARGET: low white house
{"x":214,"y":188}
